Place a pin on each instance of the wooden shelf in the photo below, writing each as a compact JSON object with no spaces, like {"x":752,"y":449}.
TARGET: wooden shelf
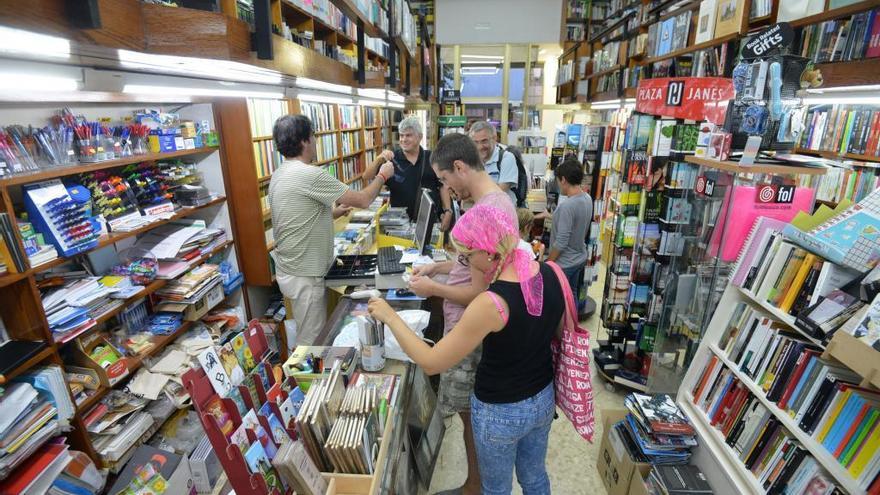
{"x":11,"y":278}
{"x":82,"y":168}
{"x":113,"y":238}
{"x":690,"y":49}
{"x":838,"y":156}
{"x":156,"y":285}
{"x":30,"y":363}
{"x":350,"y":155}
{"x":263,"y":138}
{"x":87,"y":404}
{"x":322,"y":133}
{"x":851,"y":73}
{"x":605,"y":96}
{"x":835,"y":13}
{"x":604,"y":72}
{"x":263,"y":180}
{"x":757,"y":168}
{"x":780,"y":316}
{"x":328,"y":161}
{"x":352,"y":129}
{"x":355,"y":178}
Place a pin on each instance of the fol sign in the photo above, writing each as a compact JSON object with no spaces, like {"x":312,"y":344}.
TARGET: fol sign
{"x":772,"y":193}
{"x":769,"y":41}
{"x":704,"y":186}
{"x":690,"y":98}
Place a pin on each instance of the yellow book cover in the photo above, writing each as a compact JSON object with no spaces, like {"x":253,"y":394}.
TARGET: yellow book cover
{"x":797,"y":283}
{"x":729,"y":17}
{"x":6,"y":257}
{"x":825,"y":427}
{"x":865,"y":454}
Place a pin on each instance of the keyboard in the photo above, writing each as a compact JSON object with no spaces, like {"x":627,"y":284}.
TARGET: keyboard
{"x":389,"y":261}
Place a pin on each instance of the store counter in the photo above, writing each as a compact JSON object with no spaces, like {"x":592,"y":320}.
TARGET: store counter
{"x":406,"y":461}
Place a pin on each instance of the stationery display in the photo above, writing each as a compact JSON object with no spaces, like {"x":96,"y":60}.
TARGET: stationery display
{"x":60,"y":214}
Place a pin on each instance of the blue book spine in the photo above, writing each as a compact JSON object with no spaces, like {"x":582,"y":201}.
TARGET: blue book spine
{"x":721,"y":397}
{"x":800,"y":386}
{"x":843,"y":422}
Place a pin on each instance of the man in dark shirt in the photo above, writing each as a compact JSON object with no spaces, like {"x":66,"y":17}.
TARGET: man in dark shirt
{"x":412,"y":172}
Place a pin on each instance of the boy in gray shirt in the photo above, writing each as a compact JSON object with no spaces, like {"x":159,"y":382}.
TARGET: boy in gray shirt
{"x":571,"y":223}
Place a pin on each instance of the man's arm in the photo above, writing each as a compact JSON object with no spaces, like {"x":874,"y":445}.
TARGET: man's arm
{"x":363,"y":198}
{"x":508,"y":174}
{"x":562,"y":226}
{"x":459,"y":294}
{"x":373,"y":168}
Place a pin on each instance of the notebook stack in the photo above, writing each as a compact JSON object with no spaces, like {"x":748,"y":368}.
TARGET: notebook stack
{"x":658,"y":428}
{"x":72,"y":309}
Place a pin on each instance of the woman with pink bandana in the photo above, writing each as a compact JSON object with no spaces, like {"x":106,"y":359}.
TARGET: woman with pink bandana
{"x":513,"y":402}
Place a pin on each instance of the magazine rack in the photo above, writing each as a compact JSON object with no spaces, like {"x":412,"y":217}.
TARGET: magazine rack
{"x":231,"y":457}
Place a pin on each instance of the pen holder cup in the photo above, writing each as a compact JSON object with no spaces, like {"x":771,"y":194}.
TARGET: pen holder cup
{"x":138,"y":145}
{"x":88,"y":150}
{"x":372,"y":338}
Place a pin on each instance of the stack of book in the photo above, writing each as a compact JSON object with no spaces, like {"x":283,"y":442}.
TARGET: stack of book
{"x":33,"y":408}
{"x":676,"y":480}
{"x":659,"y":429}
{"x":191,"y":287}
{"x":116,"y":423}
{"x":72,"y":309}
{"x":853,"y":38}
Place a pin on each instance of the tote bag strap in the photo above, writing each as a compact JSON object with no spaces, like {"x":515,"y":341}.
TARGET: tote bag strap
{"x":570,"y":307}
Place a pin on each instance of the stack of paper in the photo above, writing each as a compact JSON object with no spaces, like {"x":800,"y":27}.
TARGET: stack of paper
{"x":191,"y":287}
{"x":73,"y":308}
{"x":116,"y":423}
{"x":44,"y":254}
{"x":33,"y":409}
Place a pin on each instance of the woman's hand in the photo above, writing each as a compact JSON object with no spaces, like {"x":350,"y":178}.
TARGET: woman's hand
{"x":422,"y":286}
{"x":381,"y":310}
{"x":424,"y":270}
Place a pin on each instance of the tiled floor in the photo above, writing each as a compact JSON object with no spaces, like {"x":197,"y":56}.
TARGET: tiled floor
{"x":571,"y":461}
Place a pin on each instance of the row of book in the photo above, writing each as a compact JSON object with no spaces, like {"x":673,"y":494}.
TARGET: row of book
{"x":322,"y":115}
{"x":852,"y":183}
{"x":370,"y":139}
{"x":351,"y":167}
{"x":266,"y":158}
{"x":668,"y":35}
{"x":325,"y":147}
{"x":607,"y":57}
{"x":263,"y":113}
{"x":854,"y":38}
{"x":843,"y":129}
{"x":351,"y":142}
{"x":779,"y":462}
{"x":349,"y":117}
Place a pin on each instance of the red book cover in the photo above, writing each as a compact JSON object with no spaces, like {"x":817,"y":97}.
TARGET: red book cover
{"x":874,"y":44}
{"x":801,"y":364}
{"x":735,"y":411}
{"x":852,"y":430}
{"x":721,"y":412}
{"x":25,"y":474}
{"x":730,"y":408}
{"x":875,"y":133}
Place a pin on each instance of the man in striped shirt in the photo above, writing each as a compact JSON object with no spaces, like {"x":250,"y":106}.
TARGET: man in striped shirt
{"x":304,"y":200}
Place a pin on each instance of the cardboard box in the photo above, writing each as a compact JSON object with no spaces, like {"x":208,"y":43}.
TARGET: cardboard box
{"x":172,"y":467}
{"x":637,"y":484}
{"x":615,"y":466}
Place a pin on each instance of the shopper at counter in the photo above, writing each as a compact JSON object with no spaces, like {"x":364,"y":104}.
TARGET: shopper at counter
{"x":571,"y":225}
{"x":500,"y":167}
{"x":457,"y":163}
{"x":304,"y":200}
{"x":513,"y":403}
{"x":412,"y":172}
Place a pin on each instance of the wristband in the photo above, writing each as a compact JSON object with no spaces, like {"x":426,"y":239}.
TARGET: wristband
{"x":384,"y":179}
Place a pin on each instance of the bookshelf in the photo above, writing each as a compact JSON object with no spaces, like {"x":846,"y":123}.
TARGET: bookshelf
{"x":22,"y":312}
{"x":348,"y":137}
{"x":728,"y":469}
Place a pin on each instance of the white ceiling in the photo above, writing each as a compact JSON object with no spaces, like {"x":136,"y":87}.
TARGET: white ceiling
{"x":497,"y":21}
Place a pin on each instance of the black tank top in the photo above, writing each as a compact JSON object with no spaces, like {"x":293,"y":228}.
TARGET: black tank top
{"x":517,"y":362}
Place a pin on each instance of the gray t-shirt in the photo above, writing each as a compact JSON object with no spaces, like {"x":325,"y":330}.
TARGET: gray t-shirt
{"x":571,"y":219}
{"x":301,"y":197}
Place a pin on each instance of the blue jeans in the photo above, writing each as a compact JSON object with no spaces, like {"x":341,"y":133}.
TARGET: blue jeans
{"x":575,"y":275}
{"x":513,"y":435}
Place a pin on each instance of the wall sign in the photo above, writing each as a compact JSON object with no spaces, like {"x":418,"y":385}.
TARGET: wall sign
{"x":775,"y":39}
{"x":690,"y":98}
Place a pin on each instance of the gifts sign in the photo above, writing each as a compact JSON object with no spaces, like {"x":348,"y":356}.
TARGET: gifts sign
{"x":689,"y":98}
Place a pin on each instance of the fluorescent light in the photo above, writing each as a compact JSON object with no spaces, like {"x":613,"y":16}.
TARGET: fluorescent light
{"x":319,"y":98}
{"x":606,"y":105}
{"x":172,"y":90}
{"x":370,"y":101}
{"x":475,"y":62}
{"x":306,"y":83}
{"x":842,"y":100}
{"x":191,"y":66}
{"x":844,"y":89}
{"x":396,"y":105}
{"x":18,"y":41}
{"x":486,"y":57}
{"x":35,"y":82}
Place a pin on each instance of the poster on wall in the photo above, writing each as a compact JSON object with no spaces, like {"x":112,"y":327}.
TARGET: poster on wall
{"x":689,"y":98}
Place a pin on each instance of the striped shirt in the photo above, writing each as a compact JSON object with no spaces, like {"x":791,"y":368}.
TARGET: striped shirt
{"x":301,"y":197}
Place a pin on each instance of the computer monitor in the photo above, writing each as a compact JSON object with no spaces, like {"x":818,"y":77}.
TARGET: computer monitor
{"x":424,"y":222}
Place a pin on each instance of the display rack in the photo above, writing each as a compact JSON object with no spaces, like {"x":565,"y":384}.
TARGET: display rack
{"x":22,"y":313}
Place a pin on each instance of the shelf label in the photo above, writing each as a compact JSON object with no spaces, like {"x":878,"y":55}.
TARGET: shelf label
{"x":690,"y":98}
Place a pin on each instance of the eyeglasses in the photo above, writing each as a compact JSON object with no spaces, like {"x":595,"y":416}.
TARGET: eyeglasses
{"x":464,"y":259}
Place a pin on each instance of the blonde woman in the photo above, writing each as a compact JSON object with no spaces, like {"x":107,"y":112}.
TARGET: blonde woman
{"x":513,"y":402}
